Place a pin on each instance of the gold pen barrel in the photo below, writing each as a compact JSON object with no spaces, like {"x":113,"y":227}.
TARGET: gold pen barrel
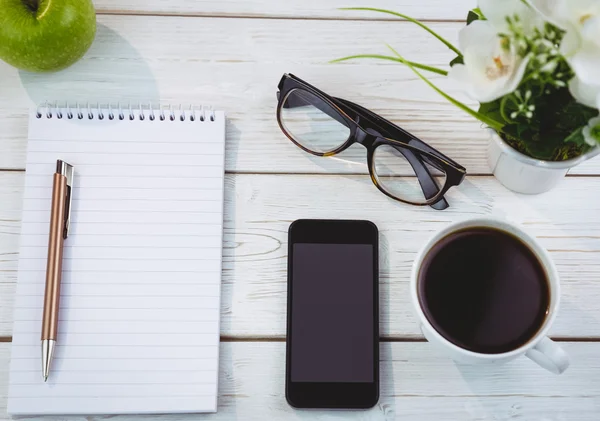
{"x":55,"y":255}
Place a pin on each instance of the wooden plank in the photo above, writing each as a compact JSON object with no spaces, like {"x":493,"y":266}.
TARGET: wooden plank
{"x":416,"y":382}
{"x":236,"y":64}
{"x":297,"y":9}
{"x":259,"y":209}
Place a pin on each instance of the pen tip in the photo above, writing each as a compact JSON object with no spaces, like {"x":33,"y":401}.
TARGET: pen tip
{"x":45,"y":378}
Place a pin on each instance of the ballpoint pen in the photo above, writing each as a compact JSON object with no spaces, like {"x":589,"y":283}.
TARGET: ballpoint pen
{"x":60,"y":214}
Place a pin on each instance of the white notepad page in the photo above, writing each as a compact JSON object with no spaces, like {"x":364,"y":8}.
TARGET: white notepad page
{"x":140,"y":295}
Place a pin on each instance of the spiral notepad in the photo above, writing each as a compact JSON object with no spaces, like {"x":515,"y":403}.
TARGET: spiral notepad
{"x":140,"y":295}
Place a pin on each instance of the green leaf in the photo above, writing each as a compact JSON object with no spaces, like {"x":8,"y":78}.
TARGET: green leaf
{"x":526,"y":141}
{"x":390,"y":58}
{"x":413,"y":20}
{"x":472,"y":17}
{"x":573,"y":115}
{"x":545,"y":145}
{"x":541,"y":150}
{"x":576,"y":137}
{"x":479,"y":13}
{"x":519,"y":132}
{"x":492,"y":110}
{"x":457,"y":60}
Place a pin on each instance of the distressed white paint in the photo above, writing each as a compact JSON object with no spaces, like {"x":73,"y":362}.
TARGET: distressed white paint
{"x":297,"y":9}
{"x":259,"y":209}
{"x":416,"y":383}
{"x":236,"y":64}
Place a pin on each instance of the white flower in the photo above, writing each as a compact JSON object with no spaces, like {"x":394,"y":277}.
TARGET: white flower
{"x":581,"y":43}
{"x":491,"y":70}
{"x":567,"y":13}
{"x":591,"y":132}
{"x":586,"y":94}
{"x":497,"y":12}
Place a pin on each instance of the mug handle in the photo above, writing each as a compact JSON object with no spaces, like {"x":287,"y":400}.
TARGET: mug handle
{"x":550,"y":356}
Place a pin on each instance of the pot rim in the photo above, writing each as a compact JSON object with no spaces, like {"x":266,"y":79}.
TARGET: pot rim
{"x":555,"y":165}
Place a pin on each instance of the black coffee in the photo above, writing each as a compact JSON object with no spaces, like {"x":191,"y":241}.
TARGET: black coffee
{"x":484,"y":290}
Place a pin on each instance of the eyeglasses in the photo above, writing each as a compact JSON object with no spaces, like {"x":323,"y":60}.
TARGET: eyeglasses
{"x":401,"y":166}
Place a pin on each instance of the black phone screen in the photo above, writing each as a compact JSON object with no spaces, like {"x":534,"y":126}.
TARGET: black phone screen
{"x":333,"y":323}
{"x":332,"y":314}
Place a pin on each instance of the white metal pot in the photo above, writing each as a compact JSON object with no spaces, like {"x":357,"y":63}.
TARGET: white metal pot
{"x":523,"y":174}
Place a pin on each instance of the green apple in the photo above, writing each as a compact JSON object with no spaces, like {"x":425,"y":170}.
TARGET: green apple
{"x":45,"y":35}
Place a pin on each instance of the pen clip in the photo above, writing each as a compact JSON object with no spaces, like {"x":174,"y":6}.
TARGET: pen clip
{"x":68,"y":172}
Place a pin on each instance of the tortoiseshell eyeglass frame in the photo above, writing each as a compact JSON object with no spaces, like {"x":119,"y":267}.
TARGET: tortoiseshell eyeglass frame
{"x":372,"y":131}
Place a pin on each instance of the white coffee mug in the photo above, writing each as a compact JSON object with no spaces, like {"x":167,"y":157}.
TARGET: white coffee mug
{"x":539,"y":348}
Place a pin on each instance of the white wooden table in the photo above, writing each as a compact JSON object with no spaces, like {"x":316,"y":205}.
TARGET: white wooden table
{"x":231,"y":53}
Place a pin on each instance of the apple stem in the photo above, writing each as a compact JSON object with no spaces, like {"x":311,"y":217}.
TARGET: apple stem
{"x":32,"y":4}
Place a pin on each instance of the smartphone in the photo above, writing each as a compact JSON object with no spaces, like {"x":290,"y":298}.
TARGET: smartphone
{"x":332,"y":354}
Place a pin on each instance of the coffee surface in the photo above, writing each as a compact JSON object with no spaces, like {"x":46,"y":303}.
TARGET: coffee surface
{"x":484,"y":290}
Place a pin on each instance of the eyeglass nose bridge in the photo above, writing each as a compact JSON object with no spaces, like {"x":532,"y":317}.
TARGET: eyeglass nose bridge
{"x":366,"y":137}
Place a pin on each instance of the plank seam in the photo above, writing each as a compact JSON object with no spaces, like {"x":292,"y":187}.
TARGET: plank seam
{"x":367,"y":175}
{"x":109,"y":12}
{"x":8,"y":339}
{"x":478,"y":175}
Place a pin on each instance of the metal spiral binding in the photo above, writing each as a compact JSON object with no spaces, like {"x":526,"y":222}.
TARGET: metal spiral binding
{"x":141,"y":112}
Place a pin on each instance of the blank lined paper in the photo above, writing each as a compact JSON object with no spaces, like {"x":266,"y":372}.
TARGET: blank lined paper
{"x":140,"y":292}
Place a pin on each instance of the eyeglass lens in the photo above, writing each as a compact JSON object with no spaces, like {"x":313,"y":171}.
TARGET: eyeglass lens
{"x":308,"y":120}
{"x":396,"y":175}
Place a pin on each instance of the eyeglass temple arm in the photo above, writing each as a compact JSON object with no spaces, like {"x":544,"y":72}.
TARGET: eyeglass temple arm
{"x":428,"y":184}
{"x":426,"y":180}
{"x":398,"y":132}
